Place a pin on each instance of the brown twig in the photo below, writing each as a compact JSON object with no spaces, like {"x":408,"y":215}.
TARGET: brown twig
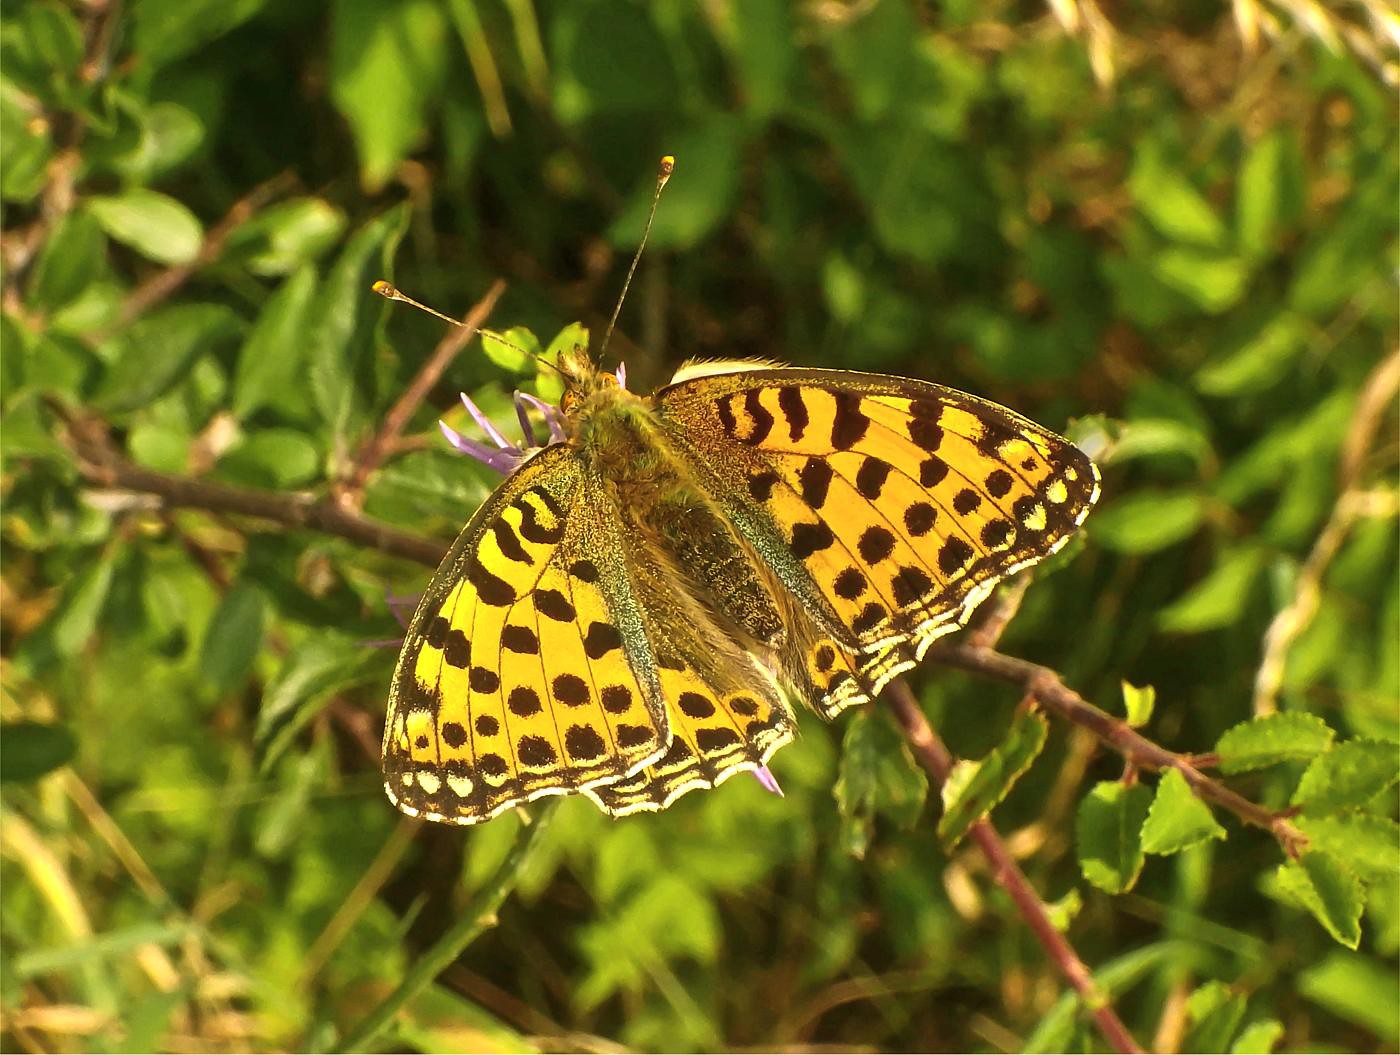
{"x":371,"y":456}
{"x":100,"y":464}
{"x":934,"y":757}
{"x":162,"y":284}
{"x":1058,"y":698}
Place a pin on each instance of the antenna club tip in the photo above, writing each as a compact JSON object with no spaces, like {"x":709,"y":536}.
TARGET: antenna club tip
{"x":385,"y":289}
{"x":667,"y":166}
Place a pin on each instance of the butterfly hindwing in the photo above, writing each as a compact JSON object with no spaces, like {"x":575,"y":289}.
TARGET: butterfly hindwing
{"x":890,"y":507}
{"x":514,"y":680}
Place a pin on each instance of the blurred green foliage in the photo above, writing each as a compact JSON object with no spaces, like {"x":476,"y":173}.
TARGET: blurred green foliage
{"x":1171,"y":237}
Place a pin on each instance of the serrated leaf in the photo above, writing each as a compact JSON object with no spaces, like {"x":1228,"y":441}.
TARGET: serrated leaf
{"x":1271,"y":739}
{"x":1323,"y":886}
{"x":1177,"y":819}
{"x":1108,"y":834}
{"x":969,"y":799}
{"x":28,"y":750}
{"x":155,"y":225}
{"x":1348,"y":776}
{"x":1367,"y":844}
{"x":1138,"y":703}
{"x":234,"y":636}
{"x":878,"y":776}
{"x":1219,"y":599}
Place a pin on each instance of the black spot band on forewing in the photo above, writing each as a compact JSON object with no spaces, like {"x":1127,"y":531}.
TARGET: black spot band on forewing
{"x":493,"y":591}
{"x":534,"y":531}
{"x":762,"y":419}
{"x":507,"y":541}
{"x":794,"y":409}
{"x":849,"y":424}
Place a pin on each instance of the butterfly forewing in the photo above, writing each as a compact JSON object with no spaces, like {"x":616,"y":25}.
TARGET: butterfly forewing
{"x":513,"y":681}
{"x":898,"y":504}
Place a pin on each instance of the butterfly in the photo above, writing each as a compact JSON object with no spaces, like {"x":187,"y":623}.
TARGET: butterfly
{"x":630,"y":613}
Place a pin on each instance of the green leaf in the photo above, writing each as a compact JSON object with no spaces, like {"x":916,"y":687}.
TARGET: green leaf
{"x":275,"y":458}
{"x":1177,"y":819}
{"x":234,"y":635}
{"x":70,"y":259}
{"x":514,"y":353}
{"x":1368,"y":845}
{"x":1320,"y":884}
{"x":341,"y":335}
{"x":700,"y":194}
{"x":1062,"y":911}
{"x":1214,"y":281}
{"x":165,"y":448}
{"x":1215,"y":1013}
{"x":1348,"y":776}
{"x":1148,"y":521}
{"x":765,"y":49}
{"x":878,"y":776}
{"x":610,"y":60}
{"x":272,"y":356}
{"x":1357,"y":990}
{"x":1138,"y":703}
{"x":1170,"y":201}
{"x":170,"y":135}
{"x":1257,"y":195}
{"x":31,"y":749}
{"x":981,"y":785}
{"x":75,"y":619}
{"x":1258,"y":1038}
{"x":159,"y":351}
{"x":1108,"y":834}
{"x":1055,"y":1030}
{"x":1159,"y":438}
{"x":1274,"y":738}
{"x":289,"y":235}
{"x":1258,"y":363}
{"x":313,"y":670}
{"x":1220,"y":598}
{"x":156,"y":226}
{"x":387,"y":65}
{"x":164,"y":30}
{"x":24,"y":162}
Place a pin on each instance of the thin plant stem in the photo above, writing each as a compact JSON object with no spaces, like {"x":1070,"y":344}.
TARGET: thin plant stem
{"x":930,"y":752}
{"x":479,"y":914}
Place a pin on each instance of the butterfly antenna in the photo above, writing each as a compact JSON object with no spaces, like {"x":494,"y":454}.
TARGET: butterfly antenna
{"x":389,"y":291}
{"x":663,"y":173}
